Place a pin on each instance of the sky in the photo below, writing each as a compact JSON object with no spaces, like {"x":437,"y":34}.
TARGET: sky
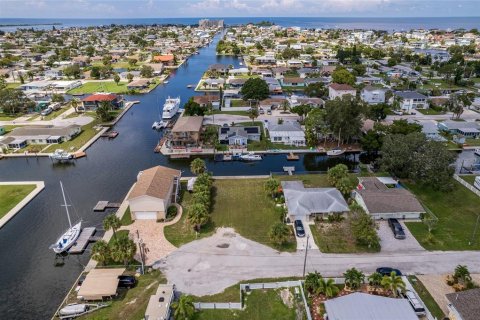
{"x":236,"y":8}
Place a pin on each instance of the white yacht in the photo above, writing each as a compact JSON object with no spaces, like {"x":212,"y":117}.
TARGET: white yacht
{"x":251,"y":157}
{"x":68,"y":238}
{"x":158,"y":125}
{"x":171,"y":107}
{"x":335,"y":152}
{"x":61,"y":154}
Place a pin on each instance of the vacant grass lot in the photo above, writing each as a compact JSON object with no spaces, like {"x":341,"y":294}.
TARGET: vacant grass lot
{"x":241,"y":204}
{"x":100,"y":86}
{"x":131,"y":304}
{"x":430,"y":303}
{"x":11,"y":195}
{"x":457,"y":212}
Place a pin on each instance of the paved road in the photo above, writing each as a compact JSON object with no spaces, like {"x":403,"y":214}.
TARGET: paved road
{"x":467,"y":115}
{"x":202,"y":267}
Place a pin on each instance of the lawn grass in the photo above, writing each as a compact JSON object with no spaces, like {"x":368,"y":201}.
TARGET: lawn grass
{"x":236,"y":113}
{"x":7,"y":117}
{"x":430,"y":303}
{"x":11,"y":195}
{"x":132,"y":303}
{"x":127,"y":218}
{"x":470,"y":178}
{"x":100,"y":86}
{"x":472,"y":142}
{"x":13,"y":85}
{"x":429,"y":112}
{"x":55,"y":114}
{"x":235,"y":103}
{"x":457,"y":212}
{"x":9,"y":128}
{"x":238,"y":203}
{"x":88,"y":132}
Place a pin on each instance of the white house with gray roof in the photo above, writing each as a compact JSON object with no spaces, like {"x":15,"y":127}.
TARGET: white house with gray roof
{"x":289,"y":133}
{"x":411,"y":100}
{"x":303,"y":203}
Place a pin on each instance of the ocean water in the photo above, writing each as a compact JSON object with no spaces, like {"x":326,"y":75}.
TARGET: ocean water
{"x":389,"y":24}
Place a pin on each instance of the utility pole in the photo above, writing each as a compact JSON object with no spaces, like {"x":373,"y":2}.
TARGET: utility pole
{"x":472,"y":241}
{"x":305,"y":260}
{"x":140,"y":247}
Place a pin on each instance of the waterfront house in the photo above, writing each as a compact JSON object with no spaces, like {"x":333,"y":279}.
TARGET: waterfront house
{"x":156,"y":188}
{"x":464,"y":305}
{"x":266,"y":60}
{"x":93,"y":101}
{"x":383,"y":198}
{"x":306,"y":203}
{"x":212,"y":84}
{"x":166,"y":59}
{"x":410,"y":100}
{"x":220,"y":68}
{"x":65,"y":85}
{"x":44,"y":134}
{"x":238,"y":135}
{"x":139,"y":84}
{"x":35,"y":86}
{"x":337,"y":90}
{"x":186,"y":132}
{"x":463,"y":128}
{"x":205,"y":100}
{"x":295,"y":82}
{"x":289,"y":133}
{"x":236,"y":83}
{"x":372,"y":95}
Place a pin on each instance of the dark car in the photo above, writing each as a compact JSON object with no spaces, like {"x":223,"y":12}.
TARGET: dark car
{"x":397,"y":228}
{"x":386,"y":271}
{"x":299,"y":229}
{"x":126,"y":281}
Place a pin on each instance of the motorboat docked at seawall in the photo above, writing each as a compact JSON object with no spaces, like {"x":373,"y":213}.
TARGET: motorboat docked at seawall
{"x":335,"y":152}
{"x":68,"y":238}
{"x":477,"y":151}
{"x":171,"y":107}
{"x":61,"y":154}
{"x":250,"y":157}
{"x":158,"y":125}
{"x":74,"y":310}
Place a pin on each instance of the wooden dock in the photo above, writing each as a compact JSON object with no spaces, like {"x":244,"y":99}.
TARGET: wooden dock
{"x":290,"y":170}
{"x":102,"y":205}
{"x":86,"y":236}
{"x":110,"y":134}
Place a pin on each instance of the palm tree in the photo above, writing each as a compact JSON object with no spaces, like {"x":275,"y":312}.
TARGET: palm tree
{"x":279,"y":233}
{"x":271,"y":186}
{"x":101,"y":252}
{"x":112,"y":222}
{"x":463,"y":274}
{"x":74,"y":103}
{"x":183,"y":308}
{"x":393,"y":283}
{"x":198,"y":166}
{"x":311,"y":281}
{"x":198,"y":215}
{"x":253,"y":113}
{"x":375,"y":280}
{"x":354,"y":278}
{"x":123,"y":249}
{"x":327,"y":287}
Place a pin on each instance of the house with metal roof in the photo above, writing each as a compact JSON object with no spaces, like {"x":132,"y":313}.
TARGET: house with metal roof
{"x":289,"y":133}
{"x":303,"y":203}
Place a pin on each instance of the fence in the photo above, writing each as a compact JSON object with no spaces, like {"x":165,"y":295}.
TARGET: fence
{"x":245,"y":287}
{"x":466,"y":184}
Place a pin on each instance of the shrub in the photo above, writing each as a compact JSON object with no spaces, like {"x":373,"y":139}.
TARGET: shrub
{"x":171,"y":212}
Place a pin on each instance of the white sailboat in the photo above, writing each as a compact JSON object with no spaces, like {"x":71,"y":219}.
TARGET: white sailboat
{"x":171,"y":107}
{"x":68,"y":238}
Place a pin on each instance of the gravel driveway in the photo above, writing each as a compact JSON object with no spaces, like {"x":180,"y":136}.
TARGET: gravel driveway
{"x":390,"y":244}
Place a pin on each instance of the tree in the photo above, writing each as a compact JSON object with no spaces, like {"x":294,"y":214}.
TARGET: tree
{"x":393,"y":283}
{"x":457,"y":103}
{"x":13,"y":101}
{"x":344,"y":117}
{"x":116,"y":78}
{"x":375,"y":280}
{"x":279,"y":233}
{"x":271,"y":186}
{"x":378,"y":112}
{"x":398,"y":127}
{"x":253,"y":114}
{"x":359,"y":69}
{"x":343,"y":76}
{"x":327,"y":287}
{"x":335,"y":174}
{"x":192,"y":108}
{"x":312,"y":281}
{"x":123,"y":249}
{"x":302,"y":110}
{"x":314,"y":126}
{"x":184,"y":309}
{"x":371,"y":142}
{"x":146,"y":71}
{"x":345,"y":185}
{"x":56,"y":97}
{"x":101,"y":252}
{"x":197,"y":215}
{"x":198,"y":166}
{"x":75,"y":103}
{"x":107,"y":59}
{"x":462,"y":275}
{"x":72,"y":71}
{"x":129,"y":77}
{"x":95,"y":72}
{"x":255,"y":89}
{"x":392,"y":62}
{"x":112,"y":222}
{"x":132,"y":62}
{"x":103,"y":111}
{"x":316,"y":89}
{"x":354,"y":278}
{"x":363,"y":228}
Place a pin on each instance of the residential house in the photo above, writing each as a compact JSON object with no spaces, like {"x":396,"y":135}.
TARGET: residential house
{"x":156,"y":188}
{"x":220,"y":68}
{"x":238,"y":72}
{"x":372,"y":95}
{"x":431,"y":131}
{"x":239,"y":135}
{"x":383,"y":198}
{"x":186,"y":132}
{"x":213,"y":84}
{"x":236,"y":83}
{"x":279,"y":72}
{"x":289,"y":133}
{"x":364,"y":306}
{"x":293,"y":82}
{"x":369,"y":80}
{"x":35,"y":86}
{"x":65,"y":85}
{"x":463,"y":128}
{"x":337,"y":90}
{"x":266,"y":60}
{"x":295,"y":100}
{"x":158,"y":307}
{"x":306,"y":72}
{"x":53,"y":73}
{"x":93,"y":101}
{"x":306,"y":203}
{"x":166,"y":59}
{"x":205,"y":100}
{"x":139,"y":84}
{"x":273,"y":85}
{"x":464,"y":305}
{"x":272,"y":103}
{"x":44,"y":134}
{"x":411,"y":100}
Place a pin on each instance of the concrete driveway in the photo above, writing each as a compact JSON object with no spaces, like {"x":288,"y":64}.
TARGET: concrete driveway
{"x":390,"y":244}
{"x":302,"y":242}
{"x":210,"y":265}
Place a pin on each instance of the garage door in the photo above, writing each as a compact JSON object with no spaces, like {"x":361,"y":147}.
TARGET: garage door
{"x":145,"y":215}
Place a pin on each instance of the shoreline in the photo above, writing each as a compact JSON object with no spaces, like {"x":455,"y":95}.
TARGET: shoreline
{"x":40,"y":185}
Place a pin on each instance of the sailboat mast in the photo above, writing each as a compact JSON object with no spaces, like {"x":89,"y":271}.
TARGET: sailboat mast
{"x":339,"y":132}
{"x":65,"y":204}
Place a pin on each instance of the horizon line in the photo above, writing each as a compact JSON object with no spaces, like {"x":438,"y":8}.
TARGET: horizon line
{"x":254,"y":17}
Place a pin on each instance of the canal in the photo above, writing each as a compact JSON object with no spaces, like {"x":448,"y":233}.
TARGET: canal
{"x":31,"y":287}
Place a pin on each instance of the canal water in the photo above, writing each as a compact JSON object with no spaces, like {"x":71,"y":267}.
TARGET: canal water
{"x":31,"y":286}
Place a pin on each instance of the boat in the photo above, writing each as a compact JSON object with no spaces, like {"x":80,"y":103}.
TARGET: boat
{"x":250,"y":157}
{"x":171,"y":107}
{"x":61,"y":155}
{"x":240,"y":63}
{"x":292,"y":157}
{"x":477,"y":151}
{"x":165,"y":82}
{"x":68,"y":238}
{"x":158,"y":125}
{"x":190,"y":86}
{"x":335,"y":152}
{"x":73,"y":310}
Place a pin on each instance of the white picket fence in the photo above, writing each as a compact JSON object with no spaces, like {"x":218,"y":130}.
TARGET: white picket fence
{"x":466,"y":184}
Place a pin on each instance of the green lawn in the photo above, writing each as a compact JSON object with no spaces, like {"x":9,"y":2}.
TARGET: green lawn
{"x":88,"y":132}
{"x":11,"y":195}
{"x":235,"y":103}
{"x":472,"y":142}
{"x":127,"y":218}
{"x":132,"y":303}
{"x":242,"y":204}
{"x":429,"y":112}
{"x":55,"y":113}
{"x":7,"y":117}
{"x":457,"y":212}
{"x":236,"y":113}
{"x":309,"y":180}
{"x":430,"y":303}
{"x":13,"y":85}
{"x":101,"y":86}
{"x":470,"y":178}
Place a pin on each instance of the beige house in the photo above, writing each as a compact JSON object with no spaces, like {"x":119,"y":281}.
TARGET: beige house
{"x":155,"y":190}
{"x":186,"y":131}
